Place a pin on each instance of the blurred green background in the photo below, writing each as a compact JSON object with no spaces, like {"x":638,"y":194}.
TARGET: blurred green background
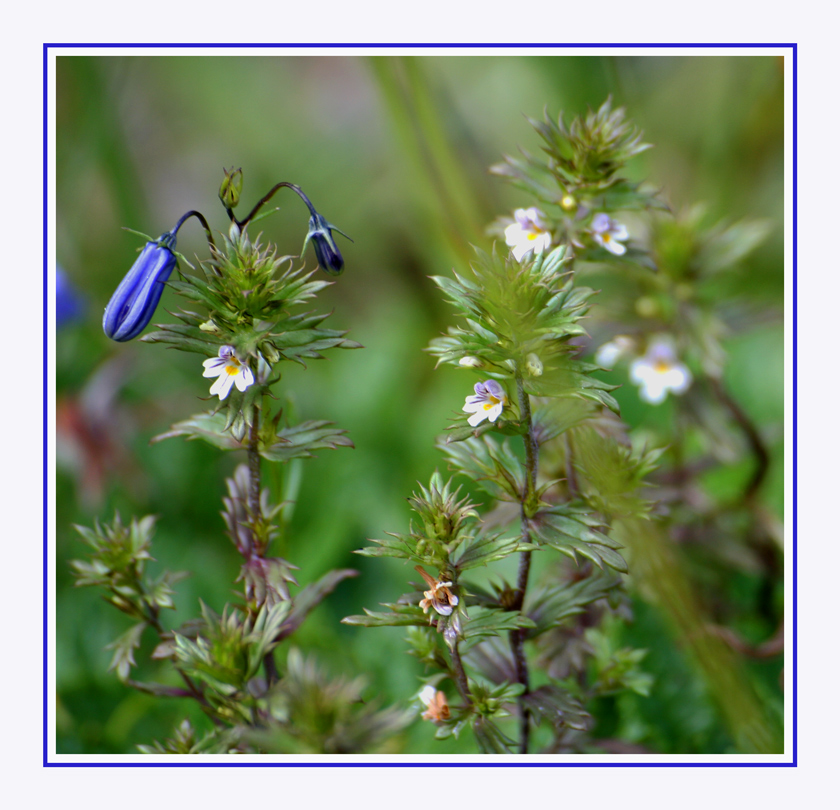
{"x":395,"y":152}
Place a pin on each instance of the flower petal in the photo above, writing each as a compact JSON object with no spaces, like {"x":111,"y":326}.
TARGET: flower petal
{"x":477,"y":418}
{"x":213,"y":367}
{"x":600,"y":223}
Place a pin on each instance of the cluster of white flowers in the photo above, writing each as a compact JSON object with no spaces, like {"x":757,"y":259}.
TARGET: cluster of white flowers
{"x":530,"y":232}
{"x":656,"y":372}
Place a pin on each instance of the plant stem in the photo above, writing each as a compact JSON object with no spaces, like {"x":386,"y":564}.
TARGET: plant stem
{"x":517,"y":637}
{"x":756,"y":443}
{"x":255,"y":509}
{"x":460,"y":675}
{"x":254,"y":480}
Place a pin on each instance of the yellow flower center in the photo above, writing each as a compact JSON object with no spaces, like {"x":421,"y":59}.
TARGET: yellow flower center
{"x":661,"y":366}
{"x":233,"y":367}
{"x":491,"y":403}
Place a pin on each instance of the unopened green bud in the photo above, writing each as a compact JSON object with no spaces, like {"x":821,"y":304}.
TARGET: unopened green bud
{"x":237,"y":429}
{"x":270,"y":353}
{"x":231,"y":188}
{"x":533,"y":365}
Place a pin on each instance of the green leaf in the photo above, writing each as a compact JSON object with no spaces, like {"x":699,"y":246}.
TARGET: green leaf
{"x":207,"y":426}
{"x":558,"y":707}
{"x":301,"y":440}
{"x":549,"y":606}
{"x":399,"y":616}
{"x":486,"y":622}
{"x":124,"y":647}
{"x":565,"y":529}
{"x":484,"y":548}
{"x":310,"y":597}
{"x":490,"y":738}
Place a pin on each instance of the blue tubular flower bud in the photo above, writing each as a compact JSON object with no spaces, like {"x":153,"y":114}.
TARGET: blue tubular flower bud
{"x":131,"y":307}
{"x":320,"y":233}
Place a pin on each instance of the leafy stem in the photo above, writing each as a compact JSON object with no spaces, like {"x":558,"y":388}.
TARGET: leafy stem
{"x":517,"y":637}
{"x":254,"y":474}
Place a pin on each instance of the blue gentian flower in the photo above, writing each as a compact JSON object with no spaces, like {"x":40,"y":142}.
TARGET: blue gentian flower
{"x":131,"y":307}
{"x":320,"y":232}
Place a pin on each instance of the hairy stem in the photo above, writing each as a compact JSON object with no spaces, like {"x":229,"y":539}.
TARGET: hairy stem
{"x":460,"y":674}
{"x":517,"y":637}
{"x":254,"y":481}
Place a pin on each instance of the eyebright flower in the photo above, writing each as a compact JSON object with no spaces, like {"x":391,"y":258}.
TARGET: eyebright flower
{"x":488,"y":402}
{"x":659,"y":371}
{"x":609,"y":234}
{"x":131,"y":307}
{"x":437,"y":709}
{"x":612,"y":351}
{"x":229,"y":369}
{"x":320,"y":232}
{"x":439,"y":597}
{"x":528,"y":232}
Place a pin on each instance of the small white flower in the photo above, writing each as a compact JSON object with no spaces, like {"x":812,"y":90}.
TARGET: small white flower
{"x":229,"y":369}
{"x":611,"y":352}
{"x":659,"y":371}
{"x":488,"y":402}
{"x":609,"y":234}
{"x":437,"y":709}
{"x":528,"y":232}
{"x":427,"y":694}
{"x":469,"y":361}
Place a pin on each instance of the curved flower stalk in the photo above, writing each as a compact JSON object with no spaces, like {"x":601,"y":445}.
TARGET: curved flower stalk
{"x":245,"y":317}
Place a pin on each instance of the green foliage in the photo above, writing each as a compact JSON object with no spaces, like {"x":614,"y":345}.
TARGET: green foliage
{"x":513,"y":309}
{"x":311,"y":713}
{"x":583,"y":165}
{"x":725,"y":323}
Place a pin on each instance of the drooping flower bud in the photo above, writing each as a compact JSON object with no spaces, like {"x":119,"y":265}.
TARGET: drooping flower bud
{"x":231,"y":188}
{"x":320,"y":233}
{"x":131,"y":307}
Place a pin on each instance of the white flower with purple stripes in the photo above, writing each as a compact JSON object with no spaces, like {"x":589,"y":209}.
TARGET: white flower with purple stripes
{"x":230,"y":370}
{"x":487,"y":403}
{"x":609,"y":234}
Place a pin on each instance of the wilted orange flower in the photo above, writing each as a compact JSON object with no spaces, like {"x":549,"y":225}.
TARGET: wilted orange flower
{"x":439,"y":596}
{"x":437,"y":709}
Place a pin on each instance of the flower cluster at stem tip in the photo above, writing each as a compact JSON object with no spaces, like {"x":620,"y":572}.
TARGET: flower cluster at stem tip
{"x":657,"y":372}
